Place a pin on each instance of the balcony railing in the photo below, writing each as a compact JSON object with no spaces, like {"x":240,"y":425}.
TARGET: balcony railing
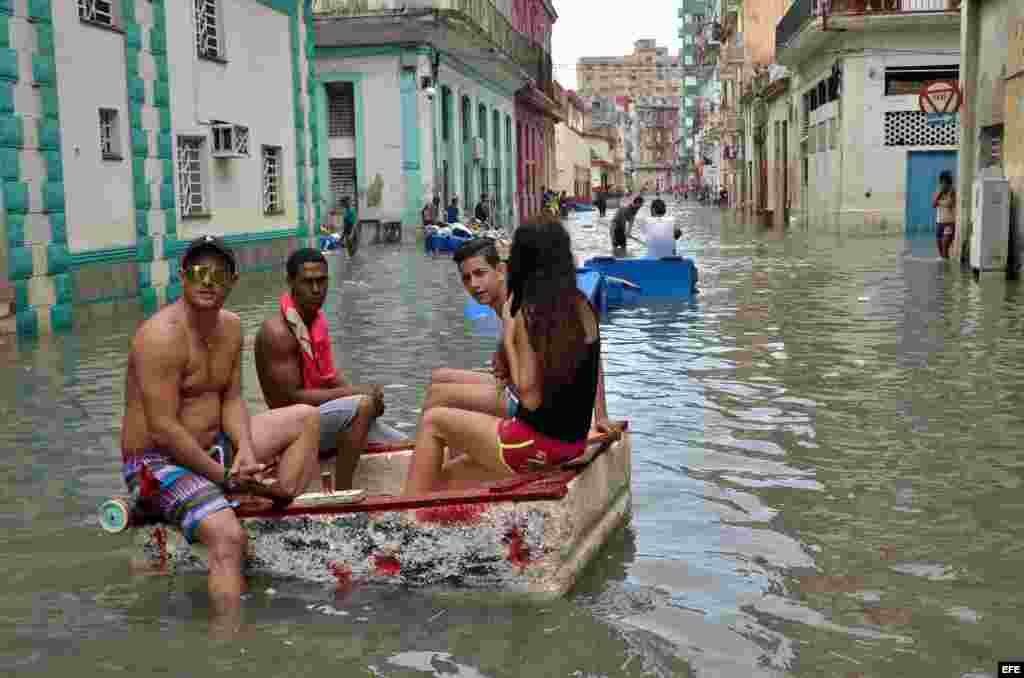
{"x":804,"y":10}
{"x":482,"y":16}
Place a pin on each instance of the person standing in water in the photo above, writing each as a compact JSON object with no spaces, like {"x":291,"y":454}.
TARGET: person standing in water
{"x":659,"y":232}
{"x":944,"y":202}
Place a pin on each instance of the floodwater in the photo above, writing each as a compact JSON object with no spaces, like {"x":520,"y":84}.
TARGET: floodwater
{"x":827,"y":482}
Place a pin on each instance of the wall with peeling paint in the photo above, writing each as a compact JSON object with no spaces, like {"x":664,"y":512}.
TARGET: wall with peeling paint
{"x":992,"y":49}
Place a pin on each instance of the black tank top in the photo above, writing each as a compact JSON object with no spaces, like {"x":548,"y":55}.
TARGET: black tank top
{"x":565,"y":412}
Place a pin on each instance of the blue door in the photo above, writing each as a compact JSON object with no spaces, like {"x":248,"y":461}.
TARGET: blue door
{"x":923,"y":169}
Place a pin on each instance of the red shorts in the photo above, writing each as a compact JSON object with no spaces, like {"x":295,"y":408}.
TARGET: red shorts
{"x":522,"y":450}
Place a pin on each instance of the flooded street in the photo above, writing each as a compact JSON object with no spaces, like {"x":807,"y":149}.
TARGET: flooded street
{"x":828,"y":458}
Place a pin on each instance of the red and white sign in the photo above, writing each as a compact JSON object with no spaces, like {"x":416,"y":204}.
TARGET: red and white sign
{"x":941,"y":96}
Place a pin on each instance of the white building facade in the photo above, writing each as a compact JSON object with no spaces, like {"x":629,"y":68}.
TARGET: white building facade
{"x":860,"y":152}
{"x":417,"y":105}
{"x":130,"y":127}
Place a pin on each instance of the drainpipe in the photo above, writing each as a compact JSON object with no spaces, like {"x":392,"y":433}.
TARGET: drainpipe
{"x":842,"y":145}
{"x":435,"y":68}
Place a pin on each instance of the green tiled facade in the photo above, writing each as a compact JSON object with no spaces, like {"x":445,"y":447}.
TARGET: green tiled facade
{"x":56,"y":289}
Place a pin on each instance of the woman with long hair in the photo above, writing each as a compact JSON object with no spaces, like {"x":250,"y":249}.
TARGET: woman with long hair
{"x":552,"y":346}
{"x":944,"y":202}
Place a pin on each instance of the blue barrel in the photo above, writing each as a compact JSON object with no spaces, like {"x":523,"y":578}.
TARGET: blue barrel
{"x":666,"y":277}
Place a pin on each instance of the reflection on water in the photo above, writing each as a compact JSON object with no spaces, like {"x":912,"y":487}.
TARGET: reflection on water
{"x":827,"y":447}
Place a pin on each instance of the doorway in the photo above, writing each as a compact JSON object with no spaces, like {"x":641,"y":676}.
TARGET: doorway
{"x":923,"y":169}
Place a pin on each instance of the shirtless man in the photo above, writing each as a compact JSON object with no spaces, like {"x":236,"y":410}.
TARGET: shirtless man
{"x":291,"y":372}
{"x":483,"y":275}
{"x":187,"y":438}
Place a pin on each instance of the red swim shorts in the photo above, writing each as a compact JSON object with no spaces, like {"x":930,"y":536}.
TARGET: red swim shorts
{"x":522,"y":450}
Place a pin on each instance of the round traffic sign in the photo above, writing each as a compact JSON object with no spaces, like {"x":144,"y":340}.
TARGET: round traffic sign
{"x":941,"y":96}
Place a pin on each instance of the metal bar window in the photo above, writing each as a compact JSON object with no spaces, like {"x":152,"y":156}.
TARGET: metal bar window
{"x":96,"y":11}
{"x":190,"y":176}
{"x":272,"y":180}
{"x":207,"y":31}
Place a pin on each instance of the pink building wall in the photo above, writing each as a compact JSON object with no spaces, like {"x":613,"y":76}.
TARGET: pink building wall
{"x":534,"y":127}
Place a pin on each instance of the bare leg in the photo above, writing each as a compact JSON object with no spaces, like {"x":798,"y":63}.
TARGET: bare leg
{"x":947,"y":243}
{"x":483,"y":398}
{"x":225,"y":538}
{"x":446,"y":375}
{"x":291,"y":435}
{"x":351,"y":444}
{"x":473,"y":432}
{"x":464,"y":473}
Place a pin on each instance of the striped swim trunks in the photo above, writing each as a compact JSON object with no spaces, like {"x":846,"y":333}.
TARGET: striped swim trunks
{"x":184,"y":498}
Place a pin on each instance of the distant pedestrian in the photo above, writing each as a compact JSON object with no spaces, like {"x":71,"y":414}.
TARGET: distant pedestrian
{"x":622,"y":222}
{"x":944,"y":203}
{"x":482,"y":213}
{"x":453,"y":211}
{"x":431,"y":211}
{"x":601,"y":203}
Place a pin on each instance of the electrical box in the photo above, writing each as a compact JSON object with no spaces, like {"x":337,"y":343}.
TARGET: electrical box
{"x":990,"y":238}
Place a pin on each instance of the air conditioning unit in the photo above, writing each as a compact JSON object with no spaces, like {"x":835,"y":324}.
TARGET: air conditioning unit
{"x":230,"y":141}
{"x":479,"y":148}
{"x":990,"y":239}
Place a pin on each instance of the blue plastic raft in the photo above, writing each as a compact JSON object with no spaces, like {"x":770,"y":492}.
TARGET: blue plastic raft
{"x":667,"y":277}
{"x":601,"y":290}
{"x":445,"y":243}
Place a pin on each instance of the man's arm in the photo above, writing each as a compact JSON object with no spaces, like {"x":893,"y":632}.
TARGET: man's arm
{"x":280,"y":369}
{"x":235,"y":414}
{"x":159,"y":358}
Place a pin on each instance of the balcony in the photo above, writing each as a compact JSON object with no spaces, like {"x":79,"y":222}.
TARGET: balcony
{"x":805,"y":28}
{"x":473,"y":29}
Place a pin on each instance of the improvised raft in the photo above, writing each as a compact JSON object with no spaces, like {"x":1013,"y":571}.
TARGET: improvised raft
{"x":529,"y":536}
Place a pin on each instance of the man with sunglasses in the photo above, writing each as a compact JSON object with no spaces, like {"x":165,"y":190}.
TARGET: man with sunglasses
{"x":187,"y":439}
{"x":295,"y":364}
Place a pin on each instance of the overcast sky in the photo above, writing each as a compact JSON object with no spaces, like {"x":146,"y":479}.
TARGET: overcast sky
{"x":587,"y":28}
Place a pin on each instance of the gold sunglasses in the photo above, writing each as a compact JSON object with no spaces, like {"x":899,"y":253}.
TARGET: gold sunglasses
{"x":207,"y":274}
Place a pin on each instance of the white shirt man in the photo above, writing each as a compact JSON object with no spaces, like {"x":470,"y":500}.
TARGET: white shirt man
{"x":659,"y":232}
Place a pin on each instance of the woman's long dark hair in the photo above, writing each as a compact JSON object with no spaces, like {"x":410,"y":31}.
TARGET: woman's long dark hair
{"x":542,"y":282}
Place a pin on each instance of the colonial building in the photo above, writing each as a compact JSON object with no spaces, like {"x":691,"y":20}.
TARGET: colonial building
{"x":648,"y":83}
{"x":992,"y":121}
{"x":199,"y":124}
{"x":862,"y":155}
{"x":658,"y":119}
{"x":648,"y":71}
{"x":571,"y":148}
{"x":419,"y":103}
{"x":536,"y":109}
{"x":606,"y":139}
{"x":701,"y":92}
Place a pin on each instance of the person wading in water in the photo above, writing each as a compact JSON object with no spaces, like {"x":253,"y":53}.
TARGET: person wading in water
{"x":944,"y":203}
